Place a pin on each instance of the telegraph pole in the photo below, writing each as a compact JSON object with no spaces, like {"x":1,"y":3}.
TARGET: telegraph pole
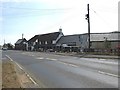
{"x":88,"y":19}
{"x":4,"y":41}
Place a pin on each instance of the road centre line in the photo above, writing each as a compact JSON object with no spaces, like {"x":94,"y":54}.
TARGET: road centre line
{"x":53,"y":59}
{"x":110,"y":74}
{"x":102,"y":59}
{"x":73,"y":65}
{"x":101,"y":72}
{"x":30,"y":55}
{"x":69,"y":64}
{"x":58,"y":61}
{"x":40,"y":58}
{"x":47,"y":58}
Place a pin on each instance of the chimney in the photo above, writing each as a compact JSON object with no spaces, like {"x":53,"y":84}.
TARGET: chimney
{"x":60,"y":29}
{"x":22,"y":36}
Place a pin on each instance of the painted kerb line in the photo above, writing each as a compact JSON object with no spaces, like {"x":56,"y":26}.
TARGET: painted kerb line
{"x":22,"y":70}
{"x":9,"y":58}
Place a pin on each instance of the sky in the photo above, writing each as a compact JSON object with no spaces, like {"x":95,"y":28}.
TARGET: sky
{"x":32,"y":17}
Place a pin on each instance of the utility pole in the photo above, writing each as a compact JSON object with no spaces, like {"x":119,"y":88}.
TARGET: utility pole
{"x":22,"y":35}
{"x":88,"y":19}
{"x":4,"y":41}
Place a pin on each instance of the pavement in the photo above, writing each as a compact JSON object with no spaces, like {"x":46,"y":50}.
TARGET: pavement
{"x":63,"y":71}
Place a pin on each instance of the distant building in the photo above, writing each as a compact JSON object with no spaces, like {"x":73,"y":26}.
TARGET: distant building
{"x":56,"y":41}
{"x":98,"y":42}
{"x":44,"y":42}
{"x":21,"y":44}
{"x":105,"y":41}
{"x":72,"y":42}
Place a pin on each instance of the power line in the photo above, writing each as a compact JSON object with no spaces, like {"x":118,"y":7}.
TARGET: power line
{"x":29,"y":14}
{"x":62,"y":21}
{"x":96,"y":13}
{"x":32,"y":12}
{"x":37,"y":9}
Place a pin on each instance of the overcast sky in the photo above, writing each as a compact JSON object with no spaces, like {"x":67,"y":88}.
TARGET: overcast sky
{"x":32,"y":17}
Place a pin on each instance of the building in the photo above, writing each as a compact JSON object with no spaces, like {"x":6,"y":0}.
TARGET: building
{"x":72,"y":43}
{"x":21,"y":44}
{"x":56,"y":41}
{"x":105,"y":41}
{"x":98,"y":42}
{"x":44,"y":42}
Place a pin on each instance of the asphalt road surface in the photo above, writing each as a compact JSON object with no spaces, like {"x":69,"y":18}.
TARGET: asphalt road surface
{"x":57,"y":71}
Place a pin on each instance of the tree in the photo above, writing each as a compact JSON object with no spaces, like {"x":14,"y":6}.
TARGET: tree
{"x":9,"y":46}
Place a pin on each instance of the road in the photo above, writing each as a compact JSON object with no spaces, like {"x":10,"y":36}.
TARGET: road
{"x":57,"y":71}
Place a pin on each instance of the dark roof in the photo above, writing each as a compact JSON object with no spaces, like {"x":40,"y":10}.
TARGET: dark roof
{"x":45,"y":37}
{"x":49,"y":36}
{"x":111,"y":36}
{"x":33,"y":38}
{"x":19,"y":41}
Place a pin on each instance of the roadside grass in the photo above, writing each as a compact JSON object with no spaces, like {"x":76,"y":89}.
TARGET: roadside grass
{"x":9,"y":75}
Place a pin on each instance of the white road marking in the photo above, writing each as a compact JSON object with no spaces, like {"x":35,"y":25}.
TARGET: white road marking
{"x":53,"y":59}
{"x":110,"y":74}
{"x":69,"y":64}
{"x":63,"y":63}
{"x":73,"y":65}
{"x":19,"y":66}
{"x":30,"y":78}
{"x":23,"y":70}
{"x":48,"y":58}
{"x":9,"y":58}
{"x":102,"y":59}
{"x":26,"y":74}
{"x":23,"y":53}
{"x":40,"y":58}
{"x":30,"y":55}
{"x":27,"y":54}
{"x":107,"y":62}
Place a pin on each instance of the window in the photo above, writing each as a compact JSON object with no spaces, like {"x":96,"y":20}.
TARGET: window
{"x":46,"y":42}
{"x":33,"y":43}
{"x":36,"y":40}
{"x":53,"y":42}
{"x":40,"y":42}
